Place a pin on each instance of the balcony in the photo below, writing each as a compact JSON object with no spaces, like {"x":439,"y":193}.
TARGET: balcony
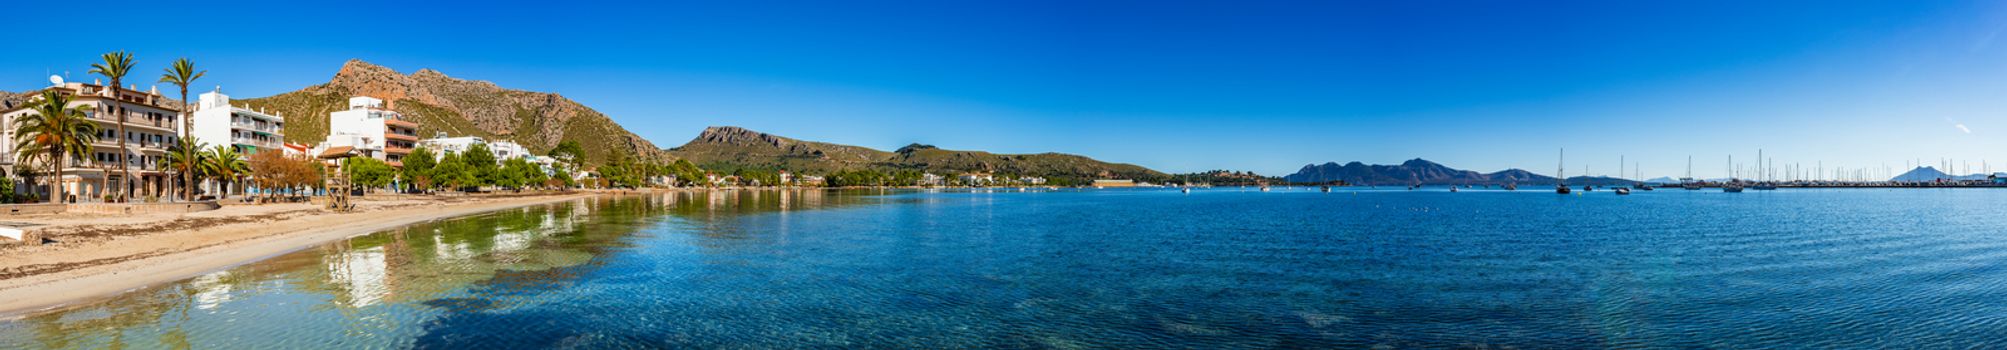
{"x":393,"y":149}
{"x":112,"y":166}
{"x":111,"y":121}
{"x":401,"y":123}
{"x":397,"y":136}
{"x":267,"y":128}
{"x":137,"y":146}
{"x":254,"y":142}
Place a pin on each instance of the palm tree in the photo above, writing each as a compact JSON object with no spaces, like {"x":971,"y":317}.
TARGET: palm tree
{"x":115,"y":66}
{"x":181,"y":73}
{"x":225,"y":163}
{"x":187,"y":158}
{"x":55,"y":130}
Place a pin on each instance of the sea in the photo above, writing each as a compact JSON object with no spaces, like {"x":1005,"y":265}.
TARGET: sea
{"x":1216,"y":268}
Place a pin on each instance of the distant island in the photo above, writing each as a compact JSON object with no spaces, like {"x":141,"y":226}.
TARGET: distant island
{"x":1423,"y":172}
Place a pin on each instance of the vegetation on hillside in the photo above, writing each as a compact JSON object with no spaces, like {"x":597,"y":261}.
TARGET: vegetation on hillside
{"x":731,"y":149}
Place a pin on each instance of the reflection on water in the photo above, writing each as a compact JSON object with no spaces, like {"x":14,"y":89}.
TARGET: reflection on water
{"x":373,"y":290}
{"x":1221,"y":268}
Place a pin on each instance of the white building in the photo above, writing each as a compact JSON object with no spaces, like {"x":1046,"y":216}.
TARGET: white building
{"x":503,"y":150}
{"x":976,"y":179}
{"x":506,"y":150}
{"x":150,"y":127}
{"x":371,"y":130}
{"x":218,"y":123}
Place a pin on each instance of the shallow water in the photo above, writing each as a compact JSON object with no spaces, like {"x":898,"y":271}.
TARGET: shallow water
{"x":1221,"y":268}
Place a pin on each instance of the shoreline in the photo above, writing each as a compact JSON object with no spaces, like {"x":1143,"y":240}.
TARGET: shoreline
{"x":70,"y":275}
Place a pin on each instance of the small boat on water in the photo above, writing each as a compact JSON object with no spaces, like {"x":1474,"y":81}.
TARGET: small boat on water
{"x":1623,"y":191}
{"x":1560,"y":174}
{"x":1734,"y":183}
{"x":1587,"y":188}
{"x":1185,"y":190}
{"x":1452,"y":189}
{"x":1325,"y":188}
{"x":1511,"y":187}
{"x":1764,"y":187}
{"x":1264,"y":188}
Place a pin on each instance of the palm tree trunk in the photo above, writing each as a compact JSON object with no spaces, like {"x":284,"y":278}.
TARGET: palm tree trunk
{"x":56,"y":182}
{"x":187,"y":128}
{"x":125,"y":173}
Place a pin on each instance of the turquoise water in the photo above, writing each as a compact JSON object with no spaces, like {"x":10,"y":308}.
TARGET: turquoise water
{"x":1221,"y":268}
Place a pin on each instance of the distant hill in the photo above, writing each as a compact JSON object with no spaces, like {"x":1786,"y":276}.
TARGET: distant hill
{"x":1921,"y":174}
{"x":727,"y":148}
{"x":1423,"y":172}
{"x":1929,"y":174}
{"x":537,"y":120}
{"x":1663,"y":180}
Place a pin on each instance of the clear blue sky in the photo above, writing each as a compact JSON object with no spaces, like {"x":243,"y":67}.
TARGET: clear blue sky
{"x":1177,"y":86}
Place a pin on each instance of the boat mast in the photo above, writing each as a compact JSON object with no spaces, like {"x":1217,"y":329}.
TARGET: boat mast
{"x":1561,"y":168}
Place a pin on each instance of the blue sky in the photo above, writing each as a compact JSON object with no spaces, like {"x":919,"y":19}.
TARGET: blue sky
{"x":1177,"y":86}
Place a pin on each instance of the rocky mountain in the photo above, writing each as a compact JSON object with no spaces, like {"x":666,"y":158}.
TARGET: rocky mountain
{"x":1423,"y":172}
{"x":726,"y":147}
{"x":457,"y":107}
{"x":9,"y":100}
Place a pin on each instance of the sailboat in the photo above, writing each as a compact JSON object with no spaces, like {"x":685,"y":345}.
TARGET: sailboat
{"x":1561,"y":174}
{"x":1733,"y":185}
{"x":1640,"y":174}
{"x":1621,"y":191}
{"x":1765,"y":184}
{"x":1687,"y":182}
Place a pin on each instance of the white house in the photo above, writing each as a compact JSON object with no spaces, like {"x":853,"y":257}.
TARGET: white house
{"x":976,"y":179}
{"x":371,"y":130}
{"x":503,"y":150}
{"x":218,"y":123}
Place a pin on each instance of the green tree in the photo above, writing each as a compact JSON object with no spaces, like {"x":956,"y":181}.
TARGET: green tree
{"x":181,"y":73}
{"x":56,"y":130}
{"x":452,"y":173}
{"x":417,"y":172}
{"x":226,"y":166}
{"x":368,"y":172}
{"x":115,"y":67}
{"x":560,"y":177}
{"x":186,"y":157}
{"x":685,"y":172}
{"x":481,"y":162}
{"x":518,"y":173}
{"x":569,"y":152}
{"x":620,"y":172}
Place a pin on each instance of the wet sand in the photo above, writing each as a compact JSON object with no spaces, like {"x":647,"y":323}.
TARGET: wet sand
{"x":95,"y":256}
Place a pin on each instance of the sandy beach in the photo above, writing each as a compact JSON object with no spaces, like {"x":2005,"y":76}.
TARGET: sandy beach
{"x":95,"y":256}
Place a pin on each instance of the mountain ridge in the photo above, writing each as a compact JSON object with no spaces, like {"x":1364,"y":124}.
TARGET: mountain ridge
{"x":729,"y":147}
{"x":1423,"y":172}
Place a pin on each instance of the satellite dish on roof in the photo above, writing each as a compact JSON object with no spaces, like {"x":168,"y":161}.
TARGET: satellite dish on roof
{"x":55,"y":80}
